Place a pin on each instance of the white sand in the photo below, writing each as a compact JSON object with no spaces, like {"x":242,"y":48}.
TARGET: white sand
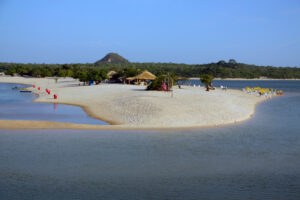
{"x":130,"y":106}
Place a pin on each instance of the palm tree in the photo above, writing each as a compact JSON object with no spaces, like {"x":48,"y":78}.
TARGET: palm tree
{"x":206,"y":79}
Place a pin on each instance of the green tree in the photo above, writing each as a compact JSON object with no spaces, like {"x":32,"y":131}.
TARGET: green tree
{"x":221,"y":62}
{"x":96,"y":75}
{"x":36,"y":72}
{"x":62,"y":73}
{"x":157,"y":83}
{"x":206,"y":79}
{"x":82,"y":76}
{"x":232,"y":61}
{"x":129,"y":72}
{"x":70,"y":73}
{"x":11,"y":71}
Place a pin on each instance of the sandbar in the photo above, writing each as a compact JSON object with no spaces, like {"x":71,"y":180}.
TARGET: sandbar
{"x":132,"y":107}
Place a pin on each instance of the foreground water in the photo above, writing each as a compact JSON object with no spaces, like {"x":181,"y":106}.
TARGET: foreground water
{"x":257,"y":159}
{"x":16,"y":105}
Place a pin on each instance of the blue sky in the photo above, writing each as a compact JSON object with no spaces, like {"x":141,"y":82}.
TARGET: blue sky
{"x":262,"y":32}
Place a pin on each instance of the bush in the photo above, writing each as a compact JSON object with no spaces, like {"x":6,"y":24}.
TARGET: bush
{"x":157,"y":83}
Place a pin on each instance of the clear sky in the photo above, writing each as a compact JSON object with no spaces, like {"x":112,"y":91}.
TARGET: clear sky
{"x":262,"y":32}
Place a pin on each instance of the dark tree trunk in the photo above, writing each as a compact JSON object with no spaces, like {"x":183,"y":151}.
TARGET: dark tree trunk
{"x":207,"y":88}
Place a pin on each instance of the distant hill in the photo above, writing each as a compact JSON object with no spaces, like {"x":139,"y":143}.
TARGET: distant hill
{"x":112,"y":58}
{"x":221,"y":69}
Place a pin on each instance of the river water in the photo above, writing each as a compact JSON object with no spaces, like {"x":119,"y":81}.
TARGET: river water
{"x":16,"y":105}
{"x":256,"y":159}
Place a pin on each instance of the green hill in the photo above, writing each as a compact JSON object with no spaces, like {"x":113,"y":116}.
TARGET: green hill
{"x":113,"y":58}
{"x":221,"y":69}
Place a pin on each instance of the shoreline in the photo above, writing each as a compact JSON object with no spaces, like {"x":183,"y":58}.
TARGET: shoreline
{"x":116,"y":123}
{"x":245,"y":79}
{"x":84,"y":108}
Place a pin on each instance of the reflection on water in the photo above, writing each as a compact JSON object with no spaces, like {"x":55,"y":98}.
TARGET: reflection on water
{"x":15,"y":105}
{"x":55,"y":106}
{"x":257,"y":159}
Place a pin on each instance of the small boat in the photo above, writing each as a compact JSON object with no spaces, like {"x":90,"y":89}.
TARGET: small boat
{"x":16,"y":88}
{"x":25,"y":91}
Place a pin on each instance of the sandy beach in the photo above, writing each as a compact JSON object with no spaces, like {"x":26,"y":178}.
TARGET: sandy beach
{"x":131,"y":107}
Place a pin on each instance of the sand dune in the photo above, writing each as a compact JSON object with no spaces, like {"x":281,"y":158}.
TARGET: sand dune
{"x":130,"y":106}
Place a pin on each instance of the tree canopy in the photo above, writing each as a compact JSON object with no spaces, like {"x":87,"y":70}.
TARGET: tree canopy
{"x":206,"y":79}
{"x":221,"y":69}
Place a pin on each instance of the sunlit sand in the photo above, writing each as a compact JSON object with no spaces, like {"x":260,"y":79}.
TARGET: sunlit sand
{"x":131,"y":106}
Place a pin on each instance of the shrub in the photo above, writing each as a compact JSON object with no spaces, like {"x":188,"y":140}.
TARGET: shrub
{"x":157,"y":83}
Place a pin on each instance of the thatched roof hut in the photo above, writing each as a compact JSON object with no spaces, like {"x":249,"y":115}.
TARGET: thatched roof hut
{"x":111,"y":74}
{"x":145,"y":75}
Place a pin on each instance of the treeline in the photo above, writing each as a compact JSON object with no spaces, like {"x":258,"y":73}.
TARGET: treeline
{"x":221,"y":69}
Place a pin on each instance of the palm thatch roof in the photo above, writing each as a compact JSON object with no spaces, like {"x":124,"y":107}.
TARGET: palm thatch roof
{"x":145,"y":75}
{"x":111,"y":73}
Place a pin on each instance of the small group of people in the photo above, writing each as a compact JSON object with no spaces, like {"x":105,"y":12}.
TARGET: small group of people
{"x":266,"y":92}
{"x":190,"y":85}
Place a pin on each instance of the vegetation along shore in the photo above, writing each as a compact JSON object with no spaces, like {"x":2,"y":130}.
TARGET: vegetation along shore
{"x":113,"y":61}
{"x":143,"y":99}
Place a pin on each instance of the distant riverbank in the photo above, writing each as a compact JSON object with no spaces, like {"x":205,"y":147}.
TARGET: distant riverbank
{"x":245,"y":79}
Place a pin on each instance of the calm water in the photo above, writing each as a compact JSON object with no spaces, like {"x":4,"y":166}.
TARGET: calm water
{"x":257,"y":159}
{"x":16,"y":105}
{"x":288,"y":86}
